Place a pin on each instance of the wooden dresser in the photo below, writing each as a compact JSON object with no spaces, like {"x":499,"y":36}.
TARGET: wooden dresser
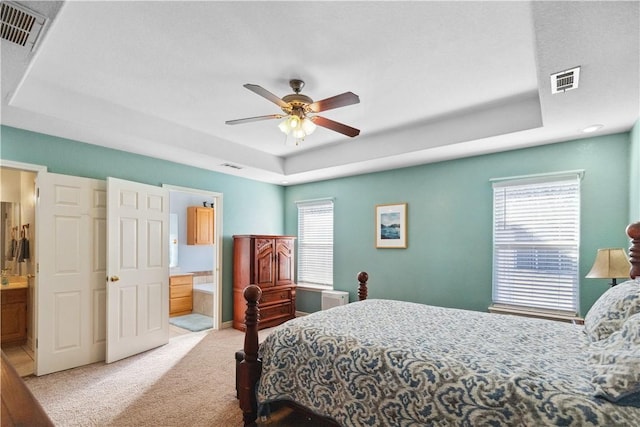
{"x":180,"y":294}
{"x":269,"y":262}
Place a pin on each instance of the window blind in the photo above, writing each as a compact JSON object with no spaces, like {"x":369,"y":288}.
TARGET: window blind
{"x":536,"y":233}
{"x":315,"y":242}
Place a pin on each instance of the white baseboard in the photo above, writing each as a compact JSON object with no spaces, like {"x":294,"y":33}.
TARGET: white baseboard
{"x":301,"y":313}
{"x":227,"y":324}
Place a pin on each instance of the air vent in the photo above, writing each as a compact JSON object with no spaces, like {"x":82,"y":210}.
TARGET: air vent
{"x":229,"y":165}
{"x":20,"y":25}
{"x":565,"y":80}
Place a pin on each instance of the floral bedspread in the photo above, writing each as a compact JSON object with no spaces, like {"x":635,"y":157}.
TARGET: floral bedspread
{"x":392,"y":363}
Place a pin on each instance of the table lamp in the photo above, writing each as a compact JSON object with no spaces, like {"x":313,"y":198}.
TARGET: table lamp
{"x":610,"y":263}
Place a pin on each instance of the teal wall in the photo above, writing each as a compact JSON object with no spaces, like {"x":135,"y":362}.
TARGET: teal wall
{"x":448,"y":261}
{"x":249,"y":206}
{"x":634,"y":174}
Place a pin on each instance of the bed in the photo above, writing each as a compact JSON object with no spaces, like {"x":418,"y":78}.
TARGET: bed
{"x":392,"y":363}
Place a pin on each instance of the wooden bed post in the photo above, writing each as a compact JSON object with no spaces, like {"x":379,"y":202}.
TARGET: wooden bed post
{"x":250,"y":367}
{"x":362,"y":289}
{"x":633,"y":231}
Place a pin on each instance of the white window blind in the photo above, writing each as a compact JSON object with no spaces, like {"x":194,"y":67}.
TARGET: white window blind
{"x":315,"y":242}
{"x":536,"y":233}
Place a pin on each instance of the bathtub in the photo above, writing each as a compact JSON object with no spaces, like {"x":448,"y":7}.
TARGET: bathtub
{"x":206,"y":288}
{"x":203,"y":298}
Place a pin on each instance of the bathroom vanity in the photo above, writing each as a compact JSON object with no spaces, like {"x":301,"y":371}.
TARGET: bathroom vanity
{"x":180,"y":294}
{"x":14,"y":312}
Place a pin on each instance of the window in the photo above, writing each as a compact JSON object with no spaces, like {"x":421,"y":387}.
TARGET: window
{"x":315,"y":242}
{"x":536,"y":232}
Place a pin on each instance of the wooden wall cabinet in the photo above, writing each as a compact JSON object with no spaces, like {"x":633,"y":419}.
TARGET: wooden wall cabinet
{"x":269,"y":262}
{"x":180,"y":294}
{"x":14,"y":316}
{"x":200,"y":225}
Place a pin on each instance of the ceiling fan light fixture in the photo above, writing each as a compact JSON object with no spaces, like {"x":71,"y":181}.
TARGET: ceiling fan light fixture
{"x":294,"y":126}
{"x":298,"y":133}
{"x":284,"y":126}
{"x":289,"y":124}
{"x":308,"y":126}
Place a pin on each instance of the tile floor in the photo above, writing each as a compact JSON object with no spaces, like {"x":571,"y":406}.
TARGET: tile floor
{"x":21,"y":356}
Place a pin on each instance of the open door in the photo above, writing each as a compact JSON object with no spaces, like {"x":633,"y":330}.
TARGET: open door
{"x":70,"y":295}
{"x":86,"y":233}
{"x":137,"y":268}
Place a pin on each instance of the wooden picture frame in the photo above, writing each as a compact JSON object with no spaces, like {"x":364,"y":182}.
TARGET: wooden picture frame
{"x":391,"y":226}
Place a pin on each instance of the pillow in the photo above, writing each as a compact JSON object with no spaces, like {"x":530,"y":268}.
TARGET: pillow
{"x":611,"y":310}
{"x":616,"y":362}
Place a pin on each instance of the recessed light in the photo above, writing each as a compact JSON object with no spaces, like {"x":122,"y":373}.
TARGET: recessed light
{"x":592,"y":128}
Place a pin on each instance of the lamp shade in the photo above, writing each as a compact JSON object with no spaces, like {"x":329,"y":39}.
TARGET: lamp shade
{"x":610,"y":263}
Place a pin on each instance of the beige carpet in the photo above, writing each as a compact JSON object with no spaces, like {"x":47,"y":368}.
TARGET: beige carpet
{"x":188,"y":382}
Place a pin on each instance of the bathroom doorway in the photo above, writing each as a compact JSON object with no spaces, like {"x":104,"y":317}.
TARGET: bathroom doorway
{"x":202,"y":262}
{"x":17,"y":237}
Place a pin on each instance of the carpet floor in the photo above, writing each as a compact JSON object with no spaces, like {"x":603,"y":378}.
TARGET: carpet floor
{"x":188,"y":382}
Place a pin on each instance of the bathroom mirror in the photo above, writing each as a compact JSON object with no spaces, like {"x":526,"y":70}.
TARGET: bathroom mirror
{"x":9,"y":231}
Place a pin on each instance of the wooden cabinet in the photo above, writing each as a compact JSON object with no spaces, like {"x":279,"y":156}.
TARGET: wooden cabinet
{"x":180,"y":295}
{"x":14,"y":316}
{"x":200,"y":225}
{"x":266,"y":261}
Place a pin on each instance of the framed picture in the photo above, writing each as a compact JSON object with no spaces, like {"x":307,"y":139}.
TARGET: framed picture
{"x":391,"y":226}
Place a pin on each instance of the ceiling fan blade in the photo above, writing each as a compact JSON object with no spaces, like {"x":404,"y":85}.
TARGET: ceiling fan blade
{"x":335,"y":126}
{"x":254,"y":119}
{"x":342,"y":100}
{"x":266,"y":94}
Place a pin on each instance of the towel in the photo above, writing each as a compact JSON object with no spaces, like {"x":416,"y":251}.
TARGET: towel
{"x":23,"y":249}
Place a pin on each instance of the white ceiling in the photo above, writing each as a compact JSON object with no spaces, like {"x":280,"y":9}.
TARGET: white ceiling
{"x":436,"y":80}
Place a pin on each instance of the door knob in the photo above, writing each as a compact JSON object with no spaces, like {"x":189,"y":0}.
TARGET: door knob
{"x":114,"y":278}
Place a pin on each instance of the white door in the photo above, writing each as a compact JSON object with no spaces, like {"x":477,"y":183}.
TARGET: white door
{"x":137,"y":268}
{"x":70,"y":294}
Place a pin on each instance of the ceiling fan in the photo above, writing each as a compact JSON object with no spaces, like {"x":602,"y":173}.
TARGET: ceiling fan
{"x":299,"y":118}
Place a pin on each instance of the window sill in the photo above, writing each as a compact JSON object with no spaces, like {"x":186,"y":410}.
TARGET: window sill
{"x":537,"y":313}
{"x":312,"y":287}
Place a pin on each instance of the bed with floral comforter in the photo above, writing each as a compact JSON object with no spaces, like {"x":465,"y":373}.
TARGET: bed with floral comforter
{"x":392,"y":363}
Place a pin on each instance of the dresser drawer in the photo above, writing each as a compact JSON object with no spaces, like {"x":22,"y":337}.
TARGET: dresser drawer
{"x":179,"y":291}
{"x":276,"y":311}
{"x":186,"y":279}
{"x":273,"y":296}
{"x":180,"y":305}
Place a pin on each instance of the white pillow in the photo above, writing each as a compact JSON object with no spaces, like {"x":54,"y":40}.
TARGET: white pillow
{"x":609,"y":312}
{"x":616,"y":362}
